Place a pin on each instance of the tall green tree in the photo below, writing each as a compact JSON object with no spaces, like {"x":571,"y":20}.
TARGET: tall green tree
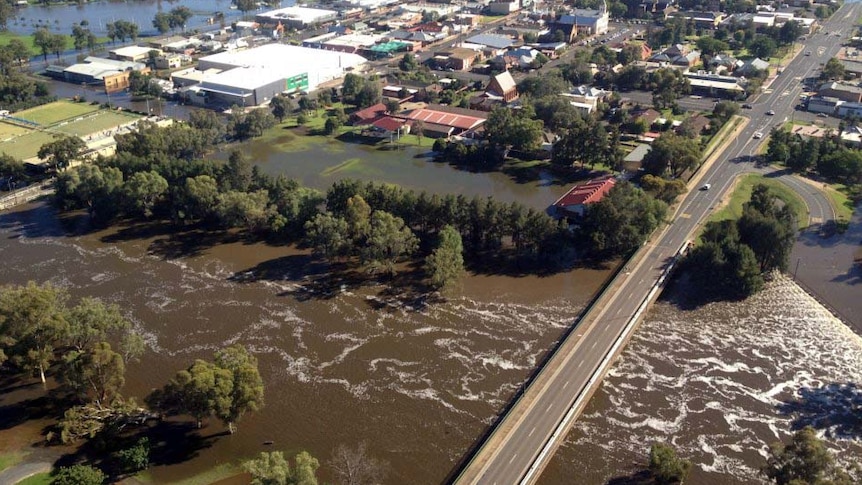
{"x":247,"y":391}
{"x":62,"y":151}
{"x":179,"y":16}
{"x":666,"y":467}
{"x":95,"y":375}
{"x":33,"y":325}
{"x":389,"y":241}
{"x":281,"y":106}
{"x":445,"y":264}
{"x":328,"y":236}
{"x":804,"y":461}
{"x":271,"y":468}
{"x":201,"y":391}
{"x":143,"y":190}
{"x":162,"y":22}
{"x":250,"y":210}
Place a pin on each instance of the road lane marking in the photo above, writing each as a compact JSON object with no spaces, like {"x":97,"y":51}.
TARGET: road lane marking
{"x":564,"y":386}
{"x":534,"y":428}
{"x":513,"y":458}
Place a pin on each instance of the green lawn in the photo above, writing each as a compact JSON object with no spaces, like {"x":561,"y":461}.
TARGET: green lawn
{"x":10,"y":459}
{"x":742,"y":193}
{"x":101,"y":121}
{"x":840,"y":202}
{"x":8,"y":130}
{"x":26,"y":146}
{"x":38,"y":479}
{"x":51,"y":113}
{"x":5,"y":37}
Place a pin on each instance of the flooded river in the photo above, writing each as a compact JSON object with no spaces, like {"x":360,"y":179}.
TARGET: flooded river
{"x":418,"y":383}
{"x":720,"y":383}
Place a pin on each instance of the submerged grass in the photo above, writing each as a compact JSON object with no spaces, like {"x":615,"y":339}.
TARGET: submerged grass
{"x":213,"y":475}
{"x":345,"y":165}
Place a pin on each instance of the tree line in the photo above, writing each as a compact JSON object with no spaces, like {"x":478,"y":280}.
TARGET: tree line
{"x":86,"y":347}
{"x":734,"y":254}
{"x":828,"y":157}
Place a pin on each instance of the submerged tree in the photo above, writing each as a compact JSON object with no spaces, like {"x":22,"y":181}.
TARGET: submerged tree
{"x":804,"y":461}
{"x":272,"y":468}
{"x":445,"y":264}
{"x":666,"y":467}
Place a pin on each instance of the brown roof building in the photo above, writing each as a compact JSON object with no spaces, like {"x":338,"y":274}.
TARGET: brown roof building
{"x":574,"y":201}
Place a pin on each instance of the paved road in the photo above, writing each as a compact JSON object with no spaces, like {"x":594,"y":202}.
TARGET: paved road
{"x":567,"y":377}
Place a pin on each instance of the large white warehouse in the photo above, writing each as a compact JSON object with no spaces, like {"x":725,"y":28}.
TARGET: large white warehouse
{"x":254,"y":76}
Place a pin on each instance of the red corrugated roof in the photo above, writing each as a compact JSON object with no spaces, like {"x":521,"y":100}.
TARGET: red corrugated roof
{"x":459,"y":121}
{"x":370,"y":112}
{"x":587,"y":193}
{"x":388,"y":124}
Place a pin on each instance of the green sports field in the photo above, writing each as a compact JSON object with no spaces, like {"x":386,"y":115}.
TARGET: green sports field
{"x":26,"y":146}
{"x":8,"y":130}
{"x":94,"y":123}
{"x":51,"y":113}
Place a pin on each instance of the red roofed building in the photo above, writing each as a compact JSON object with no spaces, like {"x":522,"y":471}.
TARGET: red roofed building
{"x":388,"y":126}
{"x":368,"y":115}
{"x":458,"y":121}
{"x":576,"y":199}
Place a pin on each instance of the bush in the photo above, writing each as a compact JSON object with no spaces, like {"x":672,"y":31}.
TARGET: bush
{"x":136,"y":458}
{"x":79,"y":475}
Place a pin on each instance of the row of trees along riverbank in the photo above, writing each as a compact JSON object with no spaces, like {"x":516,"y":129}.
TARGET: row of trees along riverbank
{"x":158,"y":173}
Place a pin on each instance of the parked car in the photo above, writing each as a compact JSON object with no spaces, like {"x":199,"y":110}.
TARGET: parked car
{"x":747,"y":106}
{"x":770,"y":113}
{"x":822,"y":115}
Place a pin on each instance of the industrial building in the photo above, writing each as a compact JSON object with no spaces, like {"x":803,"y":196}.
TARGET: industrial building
{"x":112,"y":74}
{"x":254,"y":76}
{"x":296,"y":17}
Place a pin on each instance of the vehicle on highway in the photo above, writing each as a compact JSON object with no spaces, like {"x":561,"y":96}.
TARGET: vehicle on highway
{"x":705,"y":186}
{"x":758,"y":135}
{"x":747,"y":106}
{"x":770,"y":113}
{"x":807,"y":53}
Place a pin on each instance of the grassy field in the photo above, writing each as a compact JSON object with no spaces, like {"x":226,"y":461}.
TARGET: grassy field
{"x":48,"y":114}
{"x":213,"y":475}
{"x":26,"y":146}
{"x":5,"y":37}
{"x":38,"y":479}
{"x":101,"y":121}
{"x":8,"y":130}
{"x":742,"y":193}
{"x":840,"y":202}
{"x":10,"y":459}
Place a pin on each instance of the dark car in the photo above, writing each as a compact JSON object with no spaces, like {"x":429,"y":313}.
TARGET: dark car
{"x":747,"y":106}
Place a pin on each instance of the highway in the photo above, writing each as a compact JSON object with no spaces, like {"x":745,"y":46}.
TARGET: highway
{"x":518,"y":449}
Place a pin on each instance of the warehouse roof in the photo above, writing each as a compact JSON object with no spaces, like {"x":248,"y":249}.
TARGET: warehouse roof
{"x":304,"y":14}
{"x":491,"y":40}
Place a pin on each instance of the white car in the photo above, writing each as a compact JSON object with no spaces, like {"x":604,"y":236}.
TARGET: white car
{"x":758,"y":135}
{"x":706,"y":186}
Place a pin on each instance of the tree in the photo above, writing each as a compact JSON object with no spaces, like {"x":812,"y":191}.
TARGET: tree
{"x":353,"y":83}
{"x":143,"y":190}
{"x":408,"y":62}
{"x":162,"y":22}
{"x":513,"y":130}
{"x":331,"y":125}
{"x":353,"y":466}
{"x":179,"y":16}
{"x":247,"y":391}
{"x":833,"y":69}
{"x":80,"y":36}
{"x":244,"y":209}
{"x":92,"y":321}
{"x":271,"y":468}
{"x":389,"y":240}
{"x":79,"y":475}
{"x":245,"y":6}
{"x":789,"y":32}
{"x":328,"y":236}
{"x":665,"y":466}
{"x":94,"y":375}
{"x":762,"y":47}
{"x":57,"y":44}
{"x":803,"y":461}
{"x":10,"y":166}
{"x":621,"y":221}
{"x":201,"y":195}
{"x":237,"y":171}
{"x":711,"y":46}
{"x":672,"y":155}
{"x":368,"y":95}
{"x":199,"y":391}
{"x":32,"y":324}
{"x":62,"y":151}
{"x":42,"y":40}
{"x":136,"y":458}
{"x":445,"y":265}
{"x":724,"y":110}
{"x":281,"y":106}
{"x":418,"y":129}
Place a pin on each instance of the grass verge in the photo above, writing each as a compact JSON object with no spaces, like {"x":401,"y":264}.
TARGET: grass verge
{"x":841,"y":203}
{"x":207,"y":477}
{"x":732,"y":208}
{"x":37,"y":479}
{"x":10,"y":459}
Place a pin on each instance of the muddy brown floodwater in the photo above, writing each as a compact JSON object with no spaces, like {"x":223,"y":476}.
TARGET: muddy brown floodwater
{"x":418,"y":383}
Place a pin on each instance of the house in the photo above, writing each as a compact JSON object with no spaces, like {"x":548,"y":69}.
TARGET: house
{"x":575,"y":201}
{"x":460,"y":59}
{"x":709,"y":20}
{"x":715,"y":84}
{"x":502,"y":86}
{"x":852,"y":135}
{"x":445,"y":121}
{"x":698,"y":123}
{"x":722,"y":62}
{"x":850,"y":110}
{"x":819,"y":104}
{"x":750,"y":67}
{"x":687,"y":60}
{"x":368,"y":115}
{"x":583,"y":22}
{"x":492,"y":41}
{"x":843,"y":91}
{"x":132,"y":53}
{"x":649,"y":115}
{"x":110,"y":73}
{"x":852,"y":67}
{"x":388,"y":126}
{"x":503,"y":8}
{"x":169,"y":61}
